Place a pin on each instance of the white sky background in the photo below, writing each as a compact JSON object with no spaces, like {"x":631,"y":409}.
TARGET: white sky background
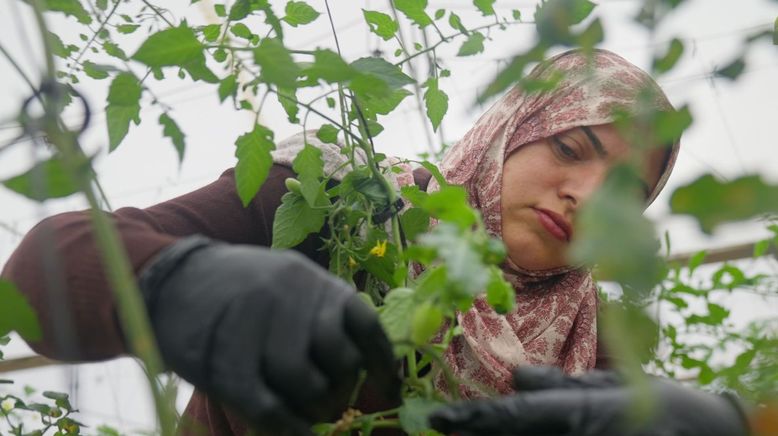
{"x":733,"y":132}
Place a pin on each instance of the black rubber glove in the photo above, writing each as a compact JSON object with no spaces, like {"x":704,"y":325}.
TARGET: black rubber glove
{"x":598,"y":403}
{"x":271,"y":334}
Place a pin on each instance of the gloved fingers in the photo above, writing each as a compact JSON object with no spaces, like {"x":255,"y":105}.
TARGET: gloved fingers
{"x":365,"y":331}
{"x":521,"y":414}
{"x":263,"y":409}
{"x":534,"y":378}
{"x":332,"y":349}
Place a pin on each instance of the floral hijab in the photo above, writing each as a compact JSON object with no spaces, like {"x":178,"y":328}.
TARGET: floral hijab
{"x":554,"y":321}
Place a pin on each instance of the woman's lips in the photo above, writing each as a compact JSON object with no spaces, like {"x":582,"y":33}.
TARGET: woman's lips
{"x":554,"y":224}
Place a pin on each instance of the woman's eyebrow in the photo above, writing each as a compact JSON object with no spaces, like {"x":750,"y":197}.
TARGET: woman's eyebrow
{"x":595,"y":141}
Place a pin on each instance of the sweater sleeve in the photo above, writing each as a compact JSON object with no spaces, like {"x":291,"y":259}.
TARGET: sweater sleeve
{"x":58,"y":266}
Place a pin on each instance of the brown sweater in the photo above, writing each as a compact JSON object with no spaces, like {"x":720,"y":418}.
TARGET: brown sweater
{"x":58,"y":265}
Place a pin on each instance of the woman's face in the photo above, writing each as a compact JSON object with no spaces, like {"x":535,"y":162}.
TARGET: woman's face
{"x":547,"y":181}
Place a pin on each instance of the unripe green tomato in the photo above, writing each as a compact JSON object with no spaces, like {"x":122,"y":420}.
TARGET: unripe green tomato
{"x":426,"y":321}
{"x":494,"y":251}
{"x":292,"y":184}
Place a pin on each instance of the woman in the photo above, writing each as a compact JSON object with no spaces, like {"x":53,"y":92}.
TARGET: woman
{"x":279,"y":341}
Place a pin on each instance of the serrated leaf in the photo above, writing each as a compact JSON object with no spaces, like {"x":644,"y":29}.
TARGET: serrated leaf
{"x":276,"y":63}
{"x":254,"y":161}
{"x":414,"y":10}
{"x":298,"y":13}
{"x":309,"y":167}
{"x":384,"y":104}
{"x":227,"y":87}
{"x":172,"y":131}
{"x":295,"y":220}
{"x":176,"y":46}
{"x":712,"y":202}
{"x":69,"y":8}
{"x":485,"y":6}
{"x":381,"y":24}
{"x":389,"y":73}
{"x":330,"y":67}
{"x":45,"y":180}
{"x":328,"y":134}
{"x":123,"y":107}
{"x":288,"y":100}
{"x":17,"y":314}
{"x":94,"y":71}
{"x":436,"y":102}
{"x":671,"y":57}
{"x":414,"y":222}
{"x":396,"y":313}
{"x":58,"y":48}
{"x":473,"y":45}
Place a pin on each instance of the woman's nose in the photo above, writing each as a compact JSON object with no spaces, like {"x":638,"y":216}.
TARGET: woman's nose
{"x":581,"y":186}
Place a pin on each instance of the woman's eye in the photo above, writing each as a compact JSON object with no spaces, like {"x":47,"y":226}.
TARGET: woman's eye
{"x":563,"y":149}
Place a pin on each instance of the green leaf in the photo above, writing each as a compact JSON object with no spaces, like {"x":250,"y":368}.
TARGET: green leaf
{"x":127,"y":28}
{"x":554,"y":18}
{"x":761,"y":247}
{"x":172,"y":131}
{"x":713,"y":203}
{"x":16,"y":314}
{"x":499,"y":293}
{"x":384,"y":104}
{"x":516,"y":14}
{"x":219,"y":10}
{"x":47,"y":179}
{"x":288,"y":100}
{"x":330,"y":67}
{"x":254,"y":161}
{"x":270,"y":17}
{"x":389,"y":73}
{"x":277,"y":64}
{"x":450,"y":204}
{"x":227,"y":87}
{"x":671,"y":57}
{"x":198,"y":70}
{"x":381,"y":24}
{"x":473,"y":45}
{"x":123,"y":107}
{"x":414,"y":10}
{"x":211,"y":32}
{"x":440,"y":13}
{"x":176,"y":46}
{"x":328,"y":134}
{"x":295,"y":220}
{"x":414,"y":414}
{"x":396,"y":314}
{"x":240,"y":10}
{"x":69,"y":8}
{"x":241,"y":31}
{"x":733,"y":70}
{"x":114,"y":50}
{"x":456,"y":23}
{"x":436,"y":102}
{"x":696,"y":260}
{"x":463,"y":262}
{"x":429,"y":166}
{"x":94,"y":71}
{"x":414,"y":222}
{"x":427,"y":319}
{"x":58,"y":48}
{"x":485,"y":6}
{"x":309,"y":167}
{"x":298,"y":13}
{"x":512,"y":72}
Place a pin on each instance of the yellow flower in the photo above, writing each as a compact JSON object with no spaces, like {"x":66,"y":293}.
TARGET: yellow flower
{"x":351,"y":262}
{"x":380,"y":249}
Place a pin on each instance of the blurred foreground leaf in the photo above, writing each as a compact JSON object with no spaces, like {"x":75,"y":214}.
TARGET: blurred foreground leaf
{"x":16,"y":314}
{"x":712,"y":202}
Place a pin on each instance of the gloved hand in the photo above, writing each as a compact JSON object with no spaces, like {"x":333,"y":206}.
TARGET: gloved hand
{"x":598,"y":403}
{"x":271,"y":334}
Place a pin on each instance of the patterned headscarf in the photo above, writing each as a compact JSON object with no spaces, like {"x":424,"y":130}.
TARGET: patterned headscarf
{"x":554,"y":321}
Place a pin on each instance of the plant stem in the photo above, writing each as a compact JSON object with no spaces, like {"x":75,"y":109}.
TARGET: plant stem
{"x":94,"y":36}
{"x":132,"y":311}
